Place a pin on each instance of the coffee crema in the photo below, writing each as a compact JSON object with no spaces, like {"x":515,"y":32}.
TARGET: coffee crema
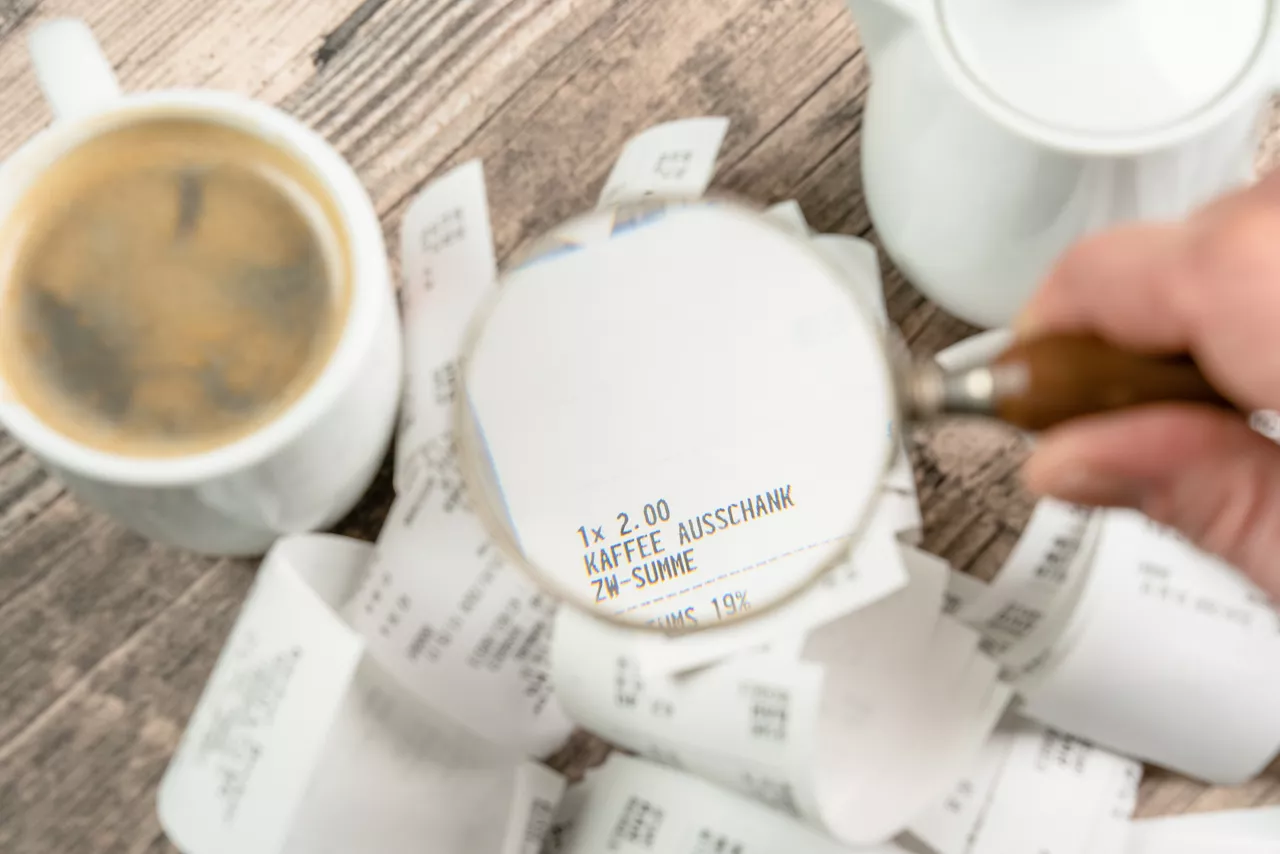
{"x":169,"y":287}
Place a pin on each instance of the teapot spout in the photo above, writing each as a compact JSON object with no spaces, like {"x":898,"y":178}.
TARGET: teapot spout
{"x":880,"y":22}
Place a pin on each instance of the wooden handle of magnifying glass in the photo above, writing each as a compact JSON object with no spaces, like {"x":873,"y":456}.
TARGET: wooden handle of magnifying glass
{"x":1044,"y":381}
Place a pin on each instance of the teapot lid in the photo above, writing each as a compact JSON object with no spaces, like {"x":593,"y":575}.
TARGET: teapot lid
{"x":1105,"y":68}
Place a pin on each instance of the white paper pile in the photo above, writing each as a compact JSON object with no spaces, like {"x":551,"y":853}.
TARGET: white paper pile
{"x":390,"y":698}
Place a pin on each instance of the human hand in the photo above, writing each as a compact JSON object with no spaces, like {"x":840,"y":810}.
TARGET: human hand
{"x":1208,"y":286}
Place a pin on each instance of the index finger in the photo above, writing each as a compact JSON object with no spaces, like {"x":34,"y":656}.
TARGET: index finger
{"x":1124,"y":285}
{"x":1208,"y":286}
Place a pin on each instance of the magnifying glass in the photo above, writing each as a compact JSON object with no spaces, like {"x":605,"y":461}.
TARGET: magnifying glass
{"x":677,"y":415}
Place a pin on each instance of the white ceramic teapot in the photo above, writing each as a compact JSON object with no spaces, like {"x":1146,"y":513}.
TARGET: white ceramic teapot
{"x":998,"y":132}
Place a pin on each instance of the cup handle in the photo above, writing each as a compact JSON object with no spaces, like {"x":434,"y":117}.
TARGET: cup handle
{"x":73,"y":72}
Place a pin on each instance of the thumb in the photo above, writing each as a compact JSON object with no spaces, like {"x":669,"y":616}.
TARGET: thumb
{"x":1201,"y":471}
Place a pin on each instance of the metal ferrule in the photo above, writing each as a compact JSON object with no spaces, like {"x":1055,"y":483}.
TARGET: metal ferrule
{"x":928,"y":390}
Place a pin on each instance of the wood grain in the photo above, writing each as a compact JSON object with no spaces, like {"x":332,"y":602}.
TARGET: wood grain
{"x":105,"y":640}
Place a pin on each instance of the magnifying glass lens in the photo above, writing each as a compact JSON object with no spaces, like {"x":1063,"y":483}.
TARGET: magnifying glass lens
{"x":675,"y":415}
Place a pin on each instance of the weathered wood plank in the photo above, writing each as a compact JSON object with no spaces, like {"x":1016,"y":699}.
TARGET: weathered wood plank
{"x":96,"y":586}
{"x":84,"y":777}
{"x":263,"y":49}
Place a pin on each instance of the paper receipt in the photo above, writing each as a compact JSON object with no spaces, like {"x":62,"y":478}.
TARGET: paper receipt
{"x":671,"y":160}
{"x":851,"y":730}
{"x":439,"y":607}
{"x":448,"y":268}
{"x":1163,"y":626}
{"x":1035,"y":789}
{"x":634,"y":807}
{"x":298,"y":733}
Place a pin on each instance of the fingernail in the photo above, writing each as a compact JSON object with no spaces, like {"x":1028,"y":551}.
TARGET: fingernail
{"x":1081,"y":485}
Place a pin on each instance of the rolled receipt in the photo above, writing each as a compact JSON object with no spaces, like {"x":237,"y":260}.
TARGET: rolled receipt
{"x":1119,"y":631}
{"x":463,"y":631}
{"x":1107,"y":623}
{"x":882,"y":711}
{"x":448,"y":268}
{"x":1173,"y":657}
{"x":297,"y":733}
{"x":1035,"y":789}
{"x":631,"y":806}
{"x":1023,"y":613}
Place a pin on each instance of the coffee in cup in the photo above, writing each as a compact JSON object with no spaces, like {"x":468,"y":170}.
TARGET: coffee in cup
{"x":169,"y":286}
{"x":198,"y":329}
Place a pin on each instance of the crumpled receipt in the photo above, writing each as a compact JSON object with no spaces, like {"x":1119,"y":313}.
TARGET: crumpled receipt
{"x":840,"y":728}
{"x":393,"y":697}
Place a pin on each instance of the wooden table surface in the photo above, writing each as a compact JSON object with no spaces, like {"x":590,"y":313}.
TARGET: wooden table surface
{"x":106,"y":639}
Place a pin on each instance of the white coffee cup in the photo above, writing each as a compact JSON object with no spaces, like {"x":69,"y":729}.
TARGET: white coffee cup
{"x":301,"y":471}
